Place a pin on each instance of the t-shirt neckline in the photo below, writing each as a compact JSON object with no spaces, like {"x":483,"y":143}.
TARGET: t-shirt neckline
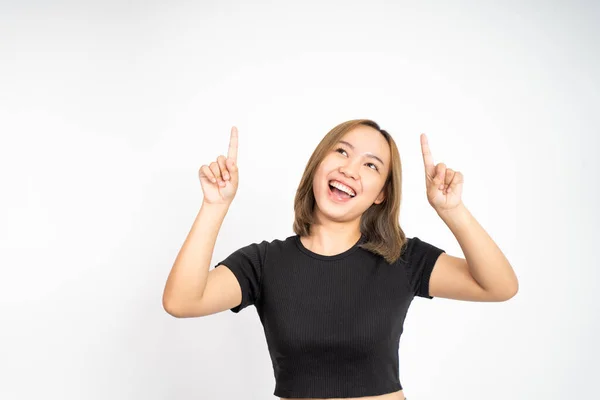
{"x":331,"y":257}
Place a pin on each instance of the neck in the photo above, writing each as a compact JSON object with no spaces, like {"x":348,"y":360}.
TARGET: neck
{"x":331,"y":238}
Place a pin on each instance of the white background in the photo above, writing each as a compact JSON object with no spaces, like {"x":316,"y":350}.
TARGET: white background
{"x":108,"y":109}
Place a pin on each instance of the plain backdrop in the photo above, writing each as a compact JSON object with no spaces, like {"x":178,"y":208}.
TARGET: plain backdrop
{"x":108,"y":109}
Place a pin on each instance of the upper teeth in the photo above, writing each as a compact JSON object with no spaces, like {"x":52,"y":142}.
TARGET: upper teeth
{"x":343,"y":187}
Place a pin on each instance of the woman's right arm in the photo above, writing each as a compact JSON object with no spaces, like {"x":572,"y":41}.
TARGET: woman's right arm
{"x":191,"y":289}
{"x":189,"y":278}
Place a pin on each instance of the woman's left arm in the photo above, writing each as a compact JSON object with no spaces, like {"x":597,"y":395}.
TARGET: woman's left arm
{"x":484,"y":274}
{"x":485,"y":261}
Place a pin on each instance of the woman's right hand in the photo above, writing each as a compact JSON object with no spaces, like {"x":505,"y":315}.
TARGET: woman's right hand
{"x":219,"y":180}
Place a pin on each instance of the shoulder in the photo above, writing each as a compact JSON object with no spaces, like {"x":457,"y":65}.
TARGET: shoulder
{"x":417,"y":253}
{"x":276,"y":242}
{"x":411,"y":244}
{"x":414,"y":245}
{"x":261,"y":248}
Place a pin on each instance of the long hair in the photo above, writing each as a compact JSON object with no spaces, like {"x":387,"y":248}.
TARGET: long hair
{"x":380,"y":223}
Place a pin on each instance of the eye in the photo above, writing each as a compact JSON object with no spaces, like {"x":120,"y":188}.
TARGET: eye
{"x":375,"y":166}
{"x":339,"y":148}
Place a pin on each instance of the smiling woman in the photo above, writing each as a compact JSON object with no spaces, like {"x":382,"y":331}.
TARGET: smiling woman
{"x":361,"y":156}
{"x":333,"y":297}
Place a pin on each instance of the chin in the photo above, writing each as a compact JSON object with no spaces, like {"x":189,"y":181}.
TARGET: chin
{"x":336,"y":212}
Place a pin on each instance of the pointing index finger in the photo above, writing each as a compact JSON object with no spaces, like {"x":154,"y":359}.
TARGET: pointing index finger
{"x":233,"y":144}
{"x":427,"y":158}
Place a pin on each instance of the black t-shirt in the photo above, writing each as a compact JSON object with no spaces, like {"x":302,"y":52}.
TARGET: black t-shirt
{"x":332,"y":323}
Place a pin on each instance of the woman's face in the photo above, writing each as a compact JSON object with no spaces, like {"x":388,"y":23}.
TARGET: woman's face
{"x":359,"y":161}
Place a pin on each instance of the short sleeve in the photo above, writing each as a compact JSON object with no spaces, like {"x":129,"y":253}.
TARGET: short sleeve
{"x":247,"y":264}
{"x":420,"y":259}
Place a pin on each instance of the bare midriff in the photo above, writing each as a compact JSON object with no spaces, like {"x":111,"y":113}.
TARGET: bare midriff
{"x":399,"y":395}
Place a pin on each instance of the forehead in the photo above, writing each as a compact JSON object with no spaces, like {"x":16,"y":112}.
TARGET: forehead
{"x":368,"y":140}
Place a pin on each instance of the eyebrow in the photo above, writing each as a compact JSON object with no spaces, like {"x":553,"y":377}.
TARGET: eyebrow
{"x":368,"y":154}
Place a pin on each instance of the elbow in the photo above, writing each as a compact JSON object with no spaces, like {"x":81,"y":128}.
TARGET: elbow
{"x":514,"y":291}
{"x":172,"y":309}
{"x":182,"y":308}
{"x":508,"y":293}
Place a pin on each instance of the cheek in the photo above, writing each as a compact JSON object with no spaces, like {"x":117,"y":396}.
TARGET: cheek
{"x":326,"y":165}
{"x":322,"y":171}
{"x":373,"y":189}
{"x":317,"y":182}
{"x":318,"y":177}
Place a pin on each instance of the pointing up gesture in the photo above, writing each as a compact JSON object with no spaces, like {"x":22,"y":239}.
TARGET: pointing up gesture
{"x":219,"y":180}
{"x":444,"y":185}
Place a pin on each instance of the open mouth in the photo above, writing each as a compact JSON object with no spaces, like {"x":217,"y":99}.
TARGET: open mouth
{"x":339,"y":193}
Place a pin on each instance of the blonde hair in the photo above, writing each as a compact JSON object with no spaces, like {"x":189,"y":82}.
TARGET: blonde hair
{"x":380,"y":222}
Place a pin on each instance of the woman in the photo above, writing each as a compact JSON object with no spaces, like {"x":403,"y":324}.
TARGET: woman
{"x":333,"y":297}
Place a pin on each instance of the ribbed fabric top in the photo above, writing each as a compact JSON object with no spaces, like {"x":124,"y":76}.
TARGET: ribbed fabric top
{"x":332,"y":323}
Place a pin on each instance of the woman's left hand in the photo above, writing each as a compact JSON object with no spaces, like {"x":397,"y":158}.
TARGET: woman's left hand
{"x":444,"y":185}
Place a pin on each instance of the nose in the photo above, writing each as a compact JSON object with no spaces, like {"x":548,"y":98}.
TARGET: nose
{"x":350,"y":169}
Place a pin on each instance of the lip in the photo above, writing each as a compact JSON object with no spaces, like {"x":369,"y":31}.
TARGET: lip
{"x":334,"y":198}
{"x":345,"y":183}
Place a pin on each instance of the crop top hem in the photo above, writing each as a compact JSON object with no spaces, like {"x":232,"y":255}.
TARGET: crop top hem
{"x":332,"y":391}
